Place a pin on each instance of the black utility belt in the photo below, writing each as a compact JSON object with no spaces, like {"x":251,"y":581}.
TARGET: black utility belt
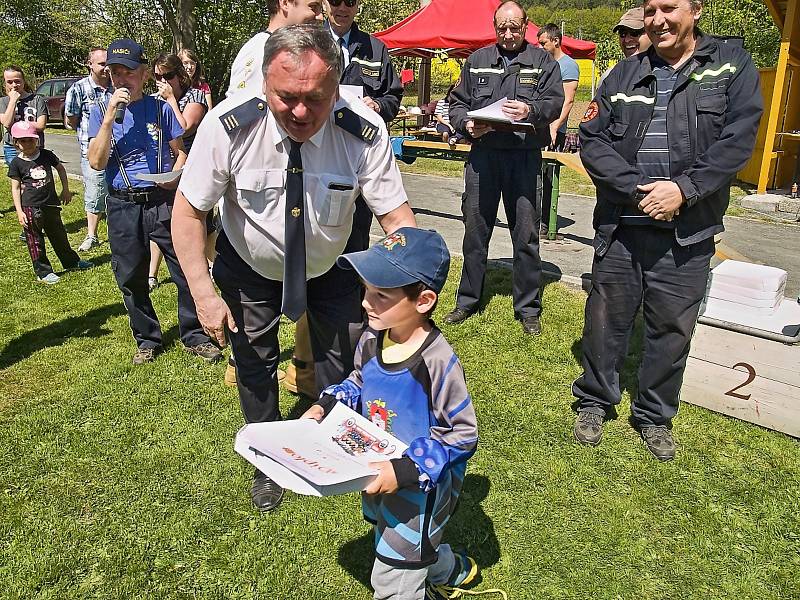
{"x":139,"y":195}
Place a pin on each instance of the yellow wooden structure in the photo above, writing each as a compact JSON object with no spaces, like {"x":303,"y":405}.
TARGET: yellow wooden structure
{"x":775,"y":160}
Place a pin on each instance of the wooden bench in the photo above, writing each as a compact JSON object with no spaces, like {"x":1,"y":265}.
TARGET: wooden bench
{"x":413,"y":149}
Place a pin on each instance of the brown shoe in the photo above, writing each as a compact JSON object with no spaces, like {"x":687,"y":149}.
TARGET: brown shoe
{"x":289,"y":382}
{"x":146,"y":355}
{"x":230,"y":375}
{"x":207,"y":351}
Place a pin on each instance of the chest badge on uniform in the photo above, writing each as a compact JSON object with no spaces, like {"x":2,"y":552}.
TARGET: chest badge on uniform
{"x":295,"y":212}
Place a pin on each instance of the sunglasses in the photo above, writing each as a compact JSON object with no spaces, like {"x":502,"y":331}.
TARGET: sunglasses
{"x":165,"y":76}
{"x":350,"y":3}
{"x":630,"y":32}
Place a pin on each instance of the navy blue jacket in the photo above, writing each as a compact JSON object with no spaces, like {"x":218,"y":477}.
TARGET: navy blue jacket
{"x":371,"y":68}
{"x":534,"y":78}
{"x":712,"y":121}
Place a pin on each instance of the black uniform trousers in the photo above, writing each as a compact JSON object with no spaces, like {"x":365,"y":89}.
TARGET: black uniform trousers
{"x":335,"y":324}
{"x":46,"y":220}
{"x":488,"y":173}
{"x":644,"y":265}
{"x":131,"y":227}
{"x":362,"y":223}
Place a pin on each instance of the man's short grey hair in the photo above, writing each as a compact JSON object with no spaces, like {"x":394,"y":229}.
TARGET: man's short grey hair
{"x":695,"y":4}
{"x":299,"y":39}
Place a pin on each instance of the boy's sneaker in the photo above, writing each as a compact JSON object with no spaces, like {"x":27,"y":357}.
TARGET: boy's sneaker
{"x":464,"y":572}
{"x":152,"y":283}
{"x":145,"y":355}
{"x":659,"y":441}
{"x":50,"y":279}
{"x":22,"y":237}
{"x":207,"y":351}
{"x":588,"y":428}
{"x":90,"y":242}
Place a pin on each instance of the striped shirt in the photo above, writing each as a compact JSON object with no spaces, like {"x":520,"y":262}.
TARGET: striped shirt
{"x":653,"y":156}
{"x":443,"y":110}
{"x":81,"y":96}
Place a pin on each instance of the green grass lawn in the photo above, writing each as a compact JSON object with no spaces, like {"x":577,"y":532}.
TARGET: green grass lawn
{"x":120,"y":482}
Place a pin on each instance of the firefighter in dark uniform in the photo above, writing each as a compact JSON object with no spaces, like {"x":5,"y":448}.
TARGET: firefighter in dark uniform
{"x":139,"y":211}
{"x":505,"y":161}
{"x":279,"y":242}
{"x":365,"y":62}
{"x":666,"y":133}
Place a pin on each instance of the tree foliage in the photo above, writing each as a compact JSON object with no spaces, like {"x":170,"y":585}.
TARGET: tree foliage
{"x":52,"y":37}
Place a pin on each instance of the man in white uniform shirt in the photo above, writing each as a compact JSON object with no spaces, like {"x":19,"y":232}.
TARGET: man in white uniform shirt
{"x":250,"y":152}
{"x":246,"y":75}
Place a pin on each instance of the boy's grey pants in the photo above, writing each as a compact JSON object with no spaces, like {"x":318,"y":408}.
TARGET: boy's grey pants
{"x":409,"y":584}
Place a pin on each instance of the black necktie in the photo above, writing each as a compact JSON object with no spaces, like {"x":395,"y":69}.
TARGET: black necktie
{"x":293,"y":303}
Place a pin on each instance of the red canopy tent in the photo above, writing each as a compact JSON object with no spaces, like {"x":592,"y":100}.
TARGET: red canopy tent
{"x":458,"y":27}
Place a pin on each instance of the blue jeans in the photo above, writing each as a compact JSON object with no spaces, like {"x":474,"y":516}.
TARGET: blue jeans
{"x":95,"y":188}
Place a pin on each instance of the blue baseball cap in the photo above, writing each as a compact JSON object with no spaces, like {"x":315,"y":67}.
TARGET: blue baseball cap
{"x":127,"y":53}
{"x":409,"y":255}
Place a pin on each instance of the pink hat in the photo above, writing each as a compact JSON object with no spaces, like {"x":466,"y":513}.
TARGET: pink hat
{"x":24,"y":129}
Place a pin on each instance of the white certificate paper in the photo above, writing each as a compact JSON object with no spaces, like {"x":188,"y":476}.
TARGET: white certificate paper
{"x":494,"y":114}
{"x":319,"y":459}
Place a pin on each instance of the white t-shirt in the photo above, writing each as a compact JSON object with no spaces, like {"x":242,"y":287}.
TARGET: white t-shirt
{"x":246,"y":74}
{"x":248,"y":170}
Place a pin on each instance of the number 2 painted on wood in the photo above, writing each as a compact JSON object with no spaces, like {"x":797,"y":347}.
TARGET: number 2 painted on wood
{"x":751,"y":376}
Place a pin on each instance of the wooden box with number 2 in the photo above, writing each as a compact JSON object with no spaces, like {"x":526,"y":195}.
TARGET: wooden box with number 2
{"x":747,"y":377}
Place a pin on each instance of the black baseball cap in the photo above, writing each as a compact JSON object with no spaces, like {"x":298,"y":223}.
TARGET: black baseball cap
{"x":127,"y":53}
{"x":409,"y":255}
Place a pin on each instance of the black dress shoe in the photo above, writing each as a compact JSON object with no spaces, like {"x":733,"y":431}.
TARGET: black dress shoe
{"x":266,"y":494}
{"x":531,"y":325}
{"x":459,"y":315}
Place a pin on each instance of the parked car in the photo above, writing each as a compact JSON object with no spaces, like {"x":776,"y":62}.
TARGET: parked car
{"x":55,"y":93}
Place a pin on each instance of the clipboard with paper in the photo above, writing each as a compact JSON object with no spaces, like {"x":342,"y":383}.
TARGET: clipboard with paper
{"x":493,"y":115}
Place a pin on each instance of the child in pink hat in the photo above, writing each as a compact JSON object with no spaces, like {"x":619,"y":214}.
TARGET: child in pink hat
{"x":38,"y":205}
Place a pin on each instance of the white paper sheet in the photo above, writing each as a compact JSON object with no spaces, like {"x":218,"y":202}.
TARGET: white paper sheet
{"x":318,"y":459}
{"x":160,"y":177}
{"x":494,"y":113}
{"x":352,"y":90}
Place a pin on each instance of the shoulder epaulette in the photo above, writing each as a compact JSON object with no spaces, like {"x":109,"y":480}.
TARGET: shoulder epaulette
{"x":243,"y":115}
{"x":354,"y":124}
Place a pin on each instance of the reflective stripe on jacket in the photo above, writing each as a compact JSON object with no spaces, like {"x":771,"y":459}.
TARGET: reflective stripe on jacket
{"x":712,"y":121}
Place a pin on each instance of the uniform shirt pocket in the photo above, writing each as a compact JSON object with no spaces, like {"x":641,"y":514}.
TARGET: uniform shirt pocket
{"x":259,"y":192}
{"x":332,"y":198}
{"x":618,"y":130}
{"x":710,"y":117}
{"x":714,"y":104}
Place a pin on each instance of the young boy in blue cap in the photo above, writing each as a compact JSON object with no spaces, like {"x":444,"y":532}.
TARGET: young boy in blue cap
{"x":408,"y":380}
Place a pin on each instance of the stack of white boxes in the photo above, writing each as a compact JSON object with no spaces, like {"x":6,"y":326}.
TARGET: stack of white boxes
{"x":737,"y":288}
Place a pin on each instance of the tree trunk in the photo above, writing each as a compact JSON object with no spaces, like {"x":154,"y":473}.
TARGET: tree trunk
{"x":179,"y":15}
